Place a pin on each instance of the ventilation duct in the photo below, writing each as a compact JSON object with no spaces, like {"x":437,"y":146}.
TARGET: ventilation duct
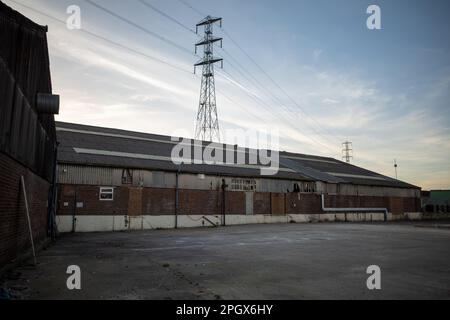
{"x":47,"y":103}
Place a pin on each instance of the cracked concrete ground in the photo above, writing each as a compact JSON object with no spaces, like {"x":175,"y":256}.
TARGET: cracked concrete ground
{"x":295,"y":261}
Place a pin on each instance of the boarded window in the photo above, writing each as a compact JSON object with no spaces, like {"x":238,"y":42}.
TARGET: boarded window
{"x":306,"y":187}
{"x":243,"y":185}
{"x":127,"y":176}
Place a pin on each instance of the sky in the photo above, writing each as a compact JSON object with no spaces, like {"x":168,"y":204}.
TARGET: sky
{"x":311,"y":70}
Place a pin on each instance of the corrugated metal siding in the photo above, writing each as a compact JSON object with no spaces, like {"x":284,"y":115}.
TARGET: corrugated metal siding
{"x":95,"y":176}
{"x":104,"y":176}
{"x":22,"y":135}
{"x":24,"y":71}
{"x":24,"y":49}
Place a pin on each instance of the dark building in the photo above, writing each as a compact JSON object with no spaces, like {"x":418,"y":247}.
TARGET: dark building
{"x":119,"y":180}
{"x":27,"y":133}
{"x":436,"y":201}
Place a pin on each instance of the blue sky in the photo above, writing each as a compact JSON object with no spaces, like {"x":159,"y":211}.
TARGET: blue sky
{"x":387,"y":91}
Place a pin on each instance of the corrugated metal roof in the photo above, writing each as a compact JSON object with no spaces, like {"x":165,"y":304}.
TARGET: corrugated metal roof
{"x":95,"y":146}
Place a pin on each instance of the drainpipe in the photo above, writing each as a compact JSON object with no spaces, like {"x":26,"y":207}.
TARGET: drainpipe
{"x":345,"y":210}
{"x":177,"y":197}
{"x":224,"y":186}
{"x":52,"y":228}
{"x":74,"y":217}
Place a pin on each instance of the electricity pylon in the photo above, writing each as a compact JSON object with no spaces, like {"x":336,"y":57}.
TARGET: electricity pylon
{"x":207,"y":125}
{"x":347,"y":151}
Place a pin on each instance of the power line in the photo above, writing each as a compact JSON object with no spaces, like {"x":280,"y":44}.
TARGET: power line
{"x":266,"y":106}
{"x":86,"y":31}
{"x":148,"y":5}
{"x":277,"y":85}
{"x":92,"y":34}
{"x":265,"y":90}
{"x":264,"y":72}
{"x":154,"y":58}
{"x":253,"y":79}
{"x":192,"y":8}
{"x":207,"y":125}
{"x":226,"y":52}
{"x":143,"y":29}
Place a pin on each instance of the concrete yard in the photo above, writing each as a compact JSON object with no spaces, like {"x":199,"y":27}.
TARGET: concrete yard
{"x":290,"y":261}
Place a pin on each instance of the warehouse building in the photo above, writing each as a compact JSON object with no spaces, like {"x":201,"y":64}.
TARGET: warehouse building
{"x":112,"y":180}
{"x":27,"y":135}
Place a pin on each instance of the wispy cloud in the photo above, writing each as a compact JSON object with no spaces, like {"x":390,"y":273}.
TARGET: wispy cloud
{"x":105,"y":85}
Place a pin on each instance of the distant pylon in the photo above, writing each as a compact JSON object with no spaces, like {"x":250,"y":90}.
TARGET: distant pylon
{"x":347,"y":151}
{"x":207,"y":124}
{"x":395,"y":167}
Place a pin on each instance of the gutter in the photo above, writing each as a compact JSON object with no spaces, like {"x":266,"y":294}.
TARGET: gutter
{"x":354,"y":210}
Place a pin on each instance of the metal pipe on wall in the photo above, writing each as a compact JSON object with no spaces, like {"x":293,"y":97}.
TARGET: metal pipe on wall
{"x":224,"y":187}
{"x":177,"y":197}
{"x":74,"y":217}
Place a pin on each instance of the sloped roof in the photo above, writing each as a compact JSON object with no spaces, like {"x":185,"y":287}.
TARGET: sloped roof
{"x":96,"y":146}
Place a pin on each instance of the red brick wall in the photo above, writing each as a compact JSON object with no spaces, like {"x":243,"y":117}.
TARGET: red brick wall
{"x":135,"y":201}
{"x":199,"y":202}
{"x":333,"y":201}
{"x":14,"y":234}
{"x":303,"y":203}
{"x":158,"y":201}
{"x":89,"y":196}
{"x":261,"y":203}
{"x":154,"y":201}
{"x":278,"y":203}
{"x":395,"y":205}
{"x":235,"y":203}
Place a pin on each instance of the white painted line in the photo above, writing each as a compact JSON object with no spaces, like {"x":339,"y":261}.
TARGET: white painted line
{"x":345,"y":175}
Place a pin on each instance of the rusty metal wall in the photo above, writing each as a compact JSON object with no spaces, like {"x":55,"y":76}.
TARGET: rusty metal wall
{"x":80,"y":175}
{"x":74,"y":174}
{"x":278,"y":203}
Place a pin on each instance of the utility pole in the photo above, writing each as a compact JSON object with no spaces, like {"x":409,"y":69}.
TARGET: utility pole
{"x":395,"y":167}
{"x":347,"y":151}
{"x":207,"y":125}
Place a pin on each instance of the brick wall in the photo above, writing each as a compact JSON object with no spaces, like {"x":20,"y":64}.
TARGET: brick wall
{"x":235,"y":203}
{"x":303,"y":203}
{"x":156,"y":201}
{"x":14,"y":234}
{"x":335,"y":201}
{"x":88,"y":198}
{"x":200,"y":202}
{"x":261,"y":203}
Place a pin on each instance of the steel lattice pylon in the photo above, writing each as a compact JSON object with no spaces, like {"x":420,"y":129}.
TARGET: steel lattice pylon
{"x":207,"y":125}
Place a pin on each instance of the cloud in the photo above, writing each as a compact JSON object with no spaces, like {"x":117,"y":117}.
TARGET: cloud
{"x":92,"y":59}
{"x":108,"y":86}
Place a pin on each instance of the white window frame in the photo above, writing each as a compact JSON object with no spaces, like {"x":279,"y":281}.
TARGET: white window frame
{"x":106,"y":190}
